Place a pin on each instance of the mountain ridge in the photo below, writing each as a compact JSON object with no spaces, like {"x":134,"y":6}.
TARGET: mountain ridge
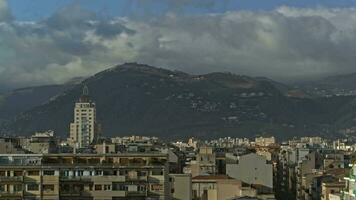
{"x":141,"y":99}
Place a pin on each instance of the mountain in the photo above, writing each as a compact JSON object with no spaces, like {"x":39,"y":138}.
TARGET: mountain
{"x":140,"y":99}
{"x":346,"y":81}
{"x":14,"y":102}
{"x":339,"y":85}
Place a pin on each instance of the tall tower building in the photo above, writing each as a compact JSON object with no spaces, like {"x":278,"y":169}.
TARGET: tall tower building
{"x":83,"y":130}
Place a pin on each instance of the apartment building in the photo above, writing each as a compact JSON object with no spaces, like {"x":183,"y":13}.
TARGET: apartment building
{"x":84,"y":128}
{"x":205,"y":162}
{"x":84,"y":176}
{"x":252,"y":169}
{"x":349,"y":192}
{"x":215,"y":187}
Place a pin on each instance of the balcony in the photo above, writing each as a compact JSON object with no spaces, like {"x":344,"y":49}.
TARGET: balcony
{"x":75,"y":179}
{"x":99,"y":194}
{"x":49,"y":179}
{"x":136,"y":178}
{"x":108,"y":179}
{"x":74,"y":193}
{"x":7,"y":179}
{"x":32,"y":179}
{"x":136,"y":193}
{"x":11,"y":194}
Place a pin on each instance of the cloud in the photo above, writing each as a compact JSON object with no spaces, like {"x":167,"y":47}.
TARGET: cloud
{"x":285,"y":43}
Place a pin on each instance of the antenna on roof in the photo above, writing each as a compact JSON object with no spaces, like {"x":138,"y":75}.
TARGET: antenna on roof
{"x":85,"y":90}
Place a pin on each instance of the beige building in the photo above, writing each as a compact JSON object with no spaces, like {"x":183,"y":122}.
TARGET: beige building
{"x":181,"y":186}
{"x":205,"y":162}
{"x":84,"y":176}
{"x":83,"y":130}
{"x":10,"y":145}
{"x":215,"y":187}
{"x":333,"y":188}
{"x":265,"y":141}
{"x":105,"y":148}
{"x":42,"y":142}
{"x":252,"y":169}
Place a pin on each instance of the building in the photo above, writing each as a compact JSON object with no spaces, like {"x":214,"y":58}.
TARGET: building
{"x":181,"y":186}
{"x":265,"y":141}
{"x":44,"y":142}
{"x":215,"y":187}
{"x":105,"y":147}
{"x":349,"y":192}
{"x":331,"y":189}
{"x":84,"y":176}
{"x":205,"y":162}
{"x":84,"y":129}
{"x":252,"y":169}
{"x":10,"y":145}
{"x":306,"y":171}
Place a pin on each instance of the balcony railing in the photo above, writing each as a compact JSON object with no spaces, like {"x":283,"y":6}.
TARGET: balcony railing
{"x":136,"y":193}
{"x":75,"y":178}
{"x":136,"y":178}
{"x":11,"y":194}
{"x":11,"y":178}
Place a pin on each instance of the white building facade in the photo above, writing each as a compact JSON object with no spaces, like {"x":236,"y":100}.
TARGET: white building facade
{"x":83,"y":130}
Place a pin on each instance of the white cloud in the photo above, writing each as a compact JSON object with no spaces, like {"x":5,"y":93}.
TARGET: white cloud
{"x":283,"y":43}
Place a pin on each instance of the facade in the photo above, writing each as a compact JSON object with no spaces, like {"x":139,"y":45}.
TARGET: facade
{"x":331,"y":189}
{"x":252,"y":169}
{"x":10,"y":145}
{"x":84,"y":176}
{"x":265,"y":141}
{"x":215,"y":187}
{"x":84,"y":129}
{"x":349,"y":192}
{"x":205,"y":162}
{"x":43,"y":143}
{"x":181,"y":186}
{"x":305,"y":172}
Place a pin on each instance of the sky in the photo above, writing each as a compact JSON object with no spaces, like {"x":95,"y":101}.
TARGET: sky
{"x":53,"y":41}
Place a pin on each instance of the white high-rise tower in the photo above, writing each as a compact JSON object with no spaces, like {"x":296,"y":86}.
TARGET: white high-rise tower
{"x":83,"y":130}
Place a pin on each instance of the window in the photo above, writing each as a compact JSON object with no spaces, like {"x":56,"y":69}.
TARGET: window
{"x":107,"y":173}
{"x":107,"y":187}
{"x":141,"y":173}
{"x":156,"y":187}
{"x":32,"y":187}
{"x":48,"y":188}
{"x":142,"y":188}
{"x":123,"y":188}
{"x":48,"y":173}
{"x":157,"y":172}
{"x":18,"y":173}
{"x":123,"y":172}
{"x":18,"y":187}
{"x":2,"y":173}
{"x":80,"y":173}
{"x":98,"y":187}
{"x":98,"y":172}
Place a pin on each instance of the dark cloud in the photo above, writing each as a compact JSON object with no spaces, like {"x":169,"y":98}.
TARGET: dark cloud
{"x":112,"y":29}
{"x":71,"y":17}
{"x":285,"y":43}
